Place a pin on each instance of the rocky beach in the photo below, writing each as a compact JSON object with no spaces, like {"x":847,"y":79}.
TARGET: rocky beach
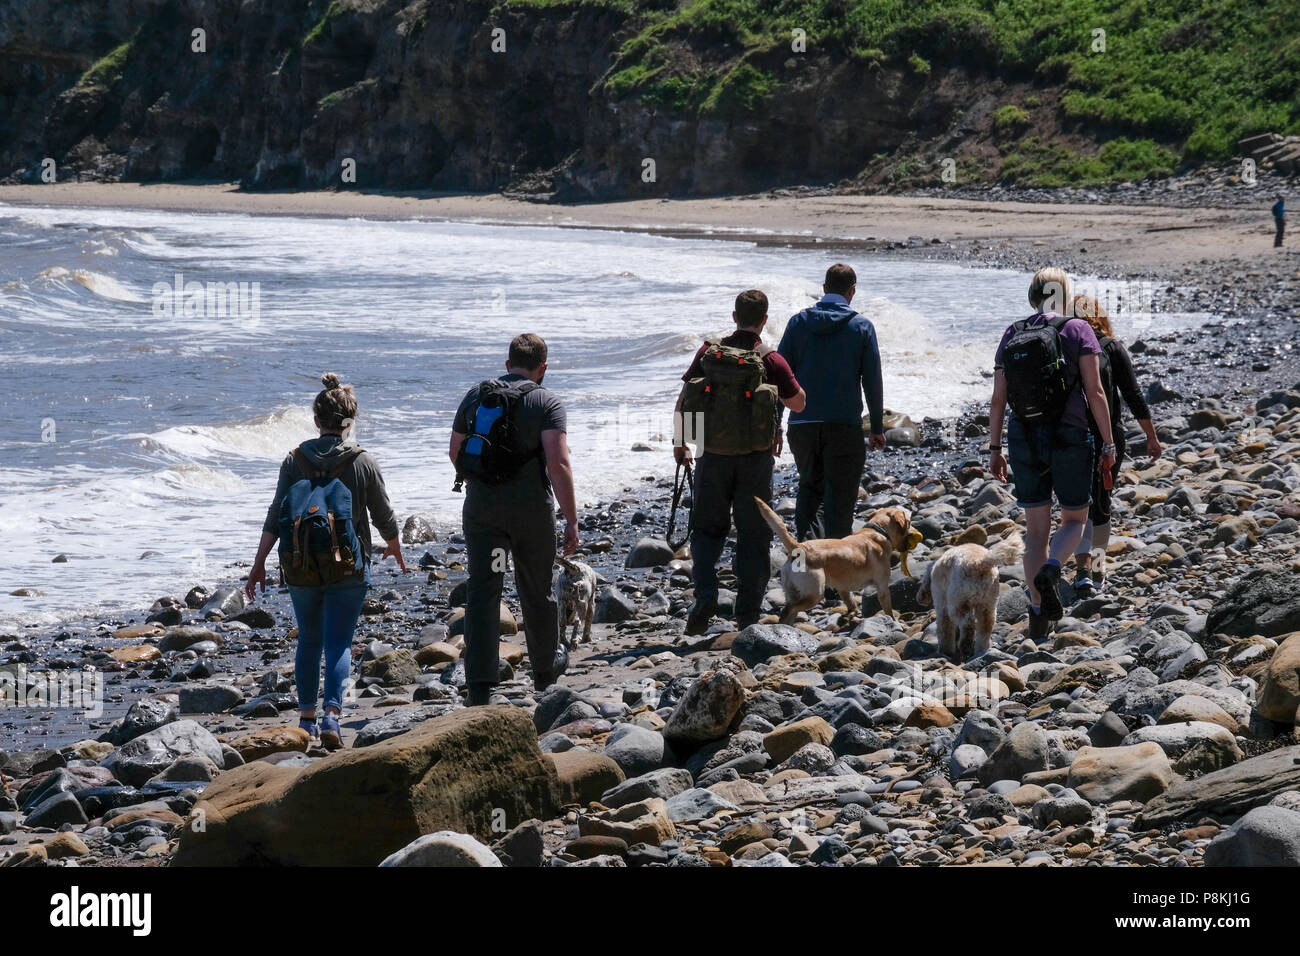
{"x":1154,"y":726}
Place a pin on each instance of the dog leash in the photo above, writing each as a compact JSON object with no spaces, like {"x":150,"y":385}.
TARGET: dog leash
{"x":678,"y":485}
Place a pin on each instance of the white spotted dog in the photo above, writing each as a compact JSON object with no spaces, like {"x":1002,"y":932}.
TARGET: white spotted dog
{"x":962,"y":584}
{"x":575,"y":598}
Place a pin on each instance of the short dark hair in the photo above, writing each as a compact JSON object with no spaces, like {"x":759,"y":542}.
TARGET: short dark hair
{"x":527,"y":351}
{"x":840,"y":278}
{"x":751,"y":308}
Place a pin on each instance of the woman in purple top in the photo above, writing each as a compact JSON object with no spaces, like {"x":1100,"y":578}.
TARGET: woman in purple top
{"x":1053,"y":458}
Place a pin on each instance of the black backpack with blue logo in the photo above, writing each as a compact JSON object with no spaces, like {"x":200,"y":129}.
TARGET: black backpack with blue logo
{"x":318,"y":541}
{"x":491,"y":452}
{"x":1038,"y":375}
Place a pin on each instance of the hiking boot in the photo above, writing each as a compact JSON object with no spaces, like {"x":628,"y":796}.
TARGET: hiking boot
{"x":331,"y":738}
{"x":1039,"y":626}
{"x":697,"y":621}
{"x":480,"y":692}
{"x":558,"y":668}
{"x":1083,"y":583}
{"x":1099,"y":571}
{"x":1045,"y":582}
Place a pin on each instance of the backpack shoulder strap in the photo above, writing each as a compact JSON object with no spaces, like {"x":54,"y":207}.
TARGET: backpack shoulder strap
{"x":348,"y":459}
{"x":305,"y":466}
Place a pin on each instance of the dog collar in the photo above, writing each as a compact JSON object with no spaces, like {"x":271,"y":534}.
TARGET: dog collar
{"x":881,"y":531}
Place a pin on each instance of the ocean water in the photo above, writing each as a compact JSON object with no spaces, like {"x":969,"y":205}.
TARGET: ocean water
{"x":142,"y":429}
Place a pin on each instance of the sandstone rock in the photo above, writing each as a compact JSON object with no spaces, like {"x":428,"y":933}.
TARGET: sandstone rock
{"x":583,"y":776}
{"x":1176,"y":739}
{"x":355,"y":807}
{"x":782,"y":742}
{"x":1228,"y":792}
{"x":930,"y":715}
{"x":394,"y":668}
{"x":270,"y":740}
{"x":439,"y":652}
{"x":1194,"y":707}
{"x":136,"y":654}
{"x":644,"y":822}
{"x":1107,"y":774}
{"x":1279,"y":692}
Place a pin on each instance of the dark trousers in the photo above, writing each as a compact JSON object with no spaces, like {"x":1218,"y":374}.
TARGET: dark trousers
{"x":725,"y":487}
{"x":1281,"y":230}
{"x":830,"y":458}
{"x":525,"y":528}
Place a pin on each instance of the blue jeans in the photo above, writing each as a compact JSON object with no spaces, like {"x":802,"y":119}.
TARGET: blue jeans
{"x":327,"y":618}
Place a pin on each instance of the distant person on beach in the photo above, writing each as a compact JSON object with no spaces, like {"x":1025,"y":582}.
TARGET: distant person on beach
{"x":832,"y":349}
{"x":1117,"y":379}
{"x":1279,"y":220}
{"x":508,"y":444}
{"x":1048,"y":369}
{"x":328,"y":554}
{"x":730,"y":384}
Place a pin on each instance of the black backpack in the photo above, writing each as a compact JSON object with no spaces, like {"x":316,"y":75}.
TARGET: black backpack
{"x":1039,"y":381}
{"x":491,"y":452}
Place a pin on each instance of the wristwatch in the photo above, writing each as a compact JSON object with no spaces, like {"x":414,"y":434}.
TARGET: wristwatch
{"x":995,"y":447}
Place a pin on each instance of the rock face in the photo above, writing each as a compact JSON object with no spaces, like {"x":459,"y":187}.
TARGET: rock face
{"x":1266,"y":836}
{"x":356,"y":807}
{"x":1279,"y":693}
{"x":300,"y":86}
{"x":1228,"y":792}
{"x":1266,"y":601}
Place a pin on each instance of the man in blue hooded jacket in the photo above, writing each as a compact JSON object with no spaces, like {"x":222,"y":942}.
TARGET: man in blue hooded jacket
{"x":833,"y":353}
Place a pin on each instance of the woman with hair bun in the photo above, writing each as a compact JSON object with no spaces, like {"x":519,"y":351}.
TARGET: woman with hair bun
{"x":327,"y":612}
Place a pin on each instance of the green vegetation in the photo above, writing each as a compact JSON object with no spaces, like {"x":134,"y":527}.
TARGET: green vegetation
{"x":1010,"y":118}
{"x":1034,"y":163}
{"x":332,"y":13}
{"x":107,"y":71}
{"x":1186,"y":77}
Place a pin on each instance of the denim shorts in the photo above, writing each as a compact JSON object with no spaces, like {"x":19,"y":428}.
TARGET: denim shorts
{"x":1050,"y":459}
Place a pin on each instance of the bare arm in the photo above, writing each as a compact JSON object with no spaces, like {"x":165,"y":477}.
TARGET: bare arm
{"x":796,"y":403}
{"x":997,"y":414}
{"x":1090,"y":368}
{"x":558,"y":468}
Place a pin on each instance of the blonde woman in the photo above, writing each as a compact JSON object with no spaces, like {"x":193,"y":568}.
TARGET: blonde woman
{"x":327,"y":612}
{"x":1047,"y":368}
{"x":1117,"y":379}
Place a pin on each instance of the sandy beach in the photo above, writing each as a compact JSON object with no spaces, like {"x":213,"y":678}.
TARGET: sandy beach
{"x":1104,"y":239}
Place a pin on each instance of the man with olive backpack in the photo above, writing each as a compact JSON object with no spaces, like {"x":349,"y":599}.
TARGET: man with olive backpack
{"x":730,"y":405}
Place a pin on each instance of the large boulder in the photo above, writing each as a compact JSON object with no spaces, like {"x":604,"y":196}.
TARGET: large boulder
{"x":1279,"y":693}
{"x":1266,"y":836}
{"x":1176,"y":739}
{"x":137,"y":760}
{"x":706,"y":710}
{"x":1266,"y":601}
{"x":1106,"y":774}
{"x":1229,"y":792}
{"x":462,"y":772}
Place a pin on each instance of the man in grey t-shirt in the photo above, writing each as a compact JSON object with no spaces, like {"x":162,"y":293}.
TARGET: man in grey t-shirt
{"x":517,"y":517}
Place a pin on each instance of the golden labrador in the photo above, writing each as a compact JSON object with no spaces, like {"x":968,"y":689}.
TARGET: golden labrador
{"x":845,"y":564}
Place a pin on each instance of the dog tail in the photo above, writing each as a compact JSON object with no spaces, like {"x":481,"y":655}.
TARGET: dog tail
{"x":923,"y":596}
{"x":774,"y":522}
{"x":1008,"y":551}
